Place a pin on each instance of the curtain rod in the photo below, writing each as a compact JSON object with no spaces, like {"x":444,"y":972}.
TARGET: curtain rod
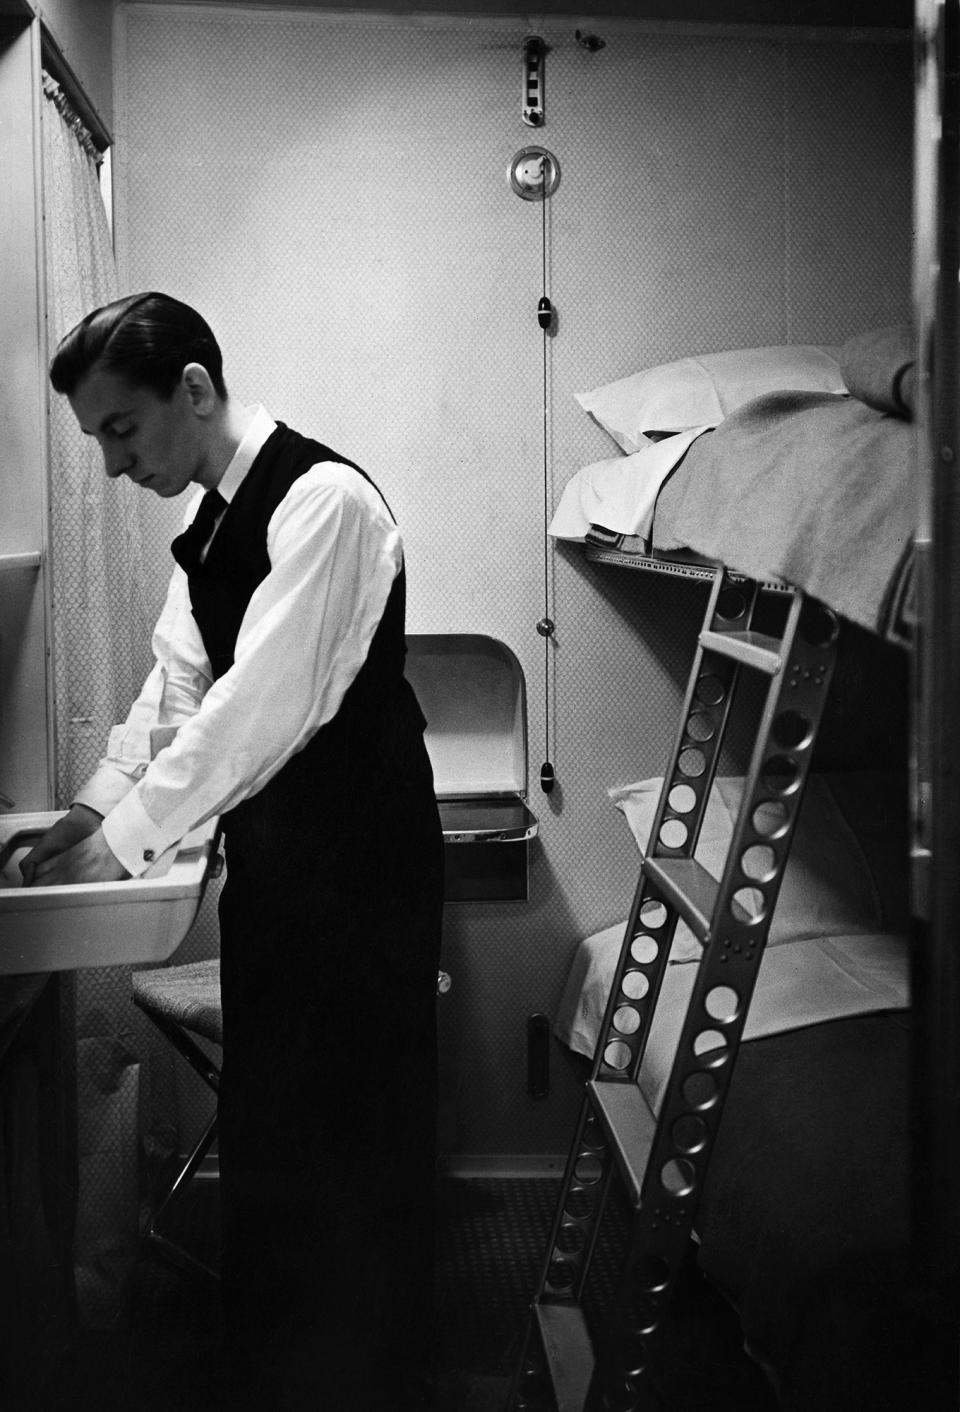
{"x":65,"y":108}
{"x":58,"y":67}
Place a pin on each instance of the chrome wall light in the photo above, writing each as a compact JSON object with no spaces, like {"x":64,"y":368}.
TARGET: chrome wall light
{"x":534,"y":173}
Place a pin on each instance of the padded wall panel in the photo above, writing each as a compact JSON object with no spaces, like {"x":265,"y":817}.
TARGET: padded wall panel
{"x":331,"y":191}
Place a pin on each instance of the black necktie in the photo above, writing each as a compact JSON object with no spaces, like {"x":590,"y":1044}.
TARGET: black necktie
{"x":188,"y":547}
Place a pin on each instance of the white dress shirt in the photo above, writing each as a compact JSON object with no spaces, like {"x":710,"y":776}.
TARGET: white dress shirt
{"x":334,"y":554}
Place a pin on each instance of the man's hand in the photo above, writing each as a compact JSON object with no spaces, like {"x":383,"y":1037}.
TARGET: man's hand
{"x":73,"y":850}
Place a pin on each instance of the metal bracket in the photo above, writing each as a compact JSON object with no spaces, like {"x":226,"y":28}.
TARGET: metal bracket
{"x":532,"y":98}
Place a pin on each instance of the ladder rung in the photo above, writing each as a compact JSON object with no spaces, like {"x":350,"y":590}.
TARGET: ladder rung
{"x":688,"y":887}
{"x":630,"y":1126}
{"x":569,"y":1352}
{"x":752,"y":649}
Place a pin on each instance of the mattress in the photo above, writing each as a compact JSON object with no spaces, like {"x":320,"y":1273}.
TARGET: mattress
{"x":805,"y":982}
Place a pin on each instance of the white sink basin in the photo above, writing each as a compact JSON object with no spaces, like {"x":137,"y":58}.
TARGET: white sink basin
{"x":68,"y":927}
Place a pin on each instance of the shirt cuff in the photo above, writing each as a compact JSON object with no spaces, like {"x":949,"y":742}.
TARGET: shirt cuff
{"x":133,"y":837}
{"x":104,"y":789}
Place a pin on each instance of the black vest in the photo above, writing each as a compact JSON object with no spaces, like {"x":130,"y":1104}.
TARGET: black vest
{"x":341,"y":759}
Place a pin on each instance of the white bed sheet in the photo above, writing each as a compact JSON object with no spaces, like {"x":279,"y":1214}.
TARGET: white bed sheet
{"x":805,"y":982}
{"x":619,"y":494}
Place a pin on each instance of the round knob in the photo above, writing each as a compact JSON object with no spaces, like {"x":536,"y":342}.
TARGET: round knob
{"x":443,"y":982}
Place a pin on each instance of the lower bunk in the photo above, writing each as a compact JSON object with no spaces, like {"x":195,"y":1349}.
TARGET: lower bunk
{"x":804,"y":1222}
{"x":803,"y":1231}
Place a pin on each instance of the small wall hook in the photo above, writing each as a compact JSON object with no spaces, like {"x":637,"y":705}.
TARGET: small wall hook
{"x":592,"y":42}
{"x":532,"y":99}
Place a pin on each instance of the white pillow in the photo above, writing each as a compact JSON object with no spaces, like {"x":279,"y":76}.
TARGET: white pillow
{"x":701,"y":391}
{"x":831,"y":885}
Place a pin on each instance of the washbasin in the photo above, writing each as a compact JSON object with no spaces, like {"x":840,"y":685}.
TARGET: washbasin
{"x":69,"y":927}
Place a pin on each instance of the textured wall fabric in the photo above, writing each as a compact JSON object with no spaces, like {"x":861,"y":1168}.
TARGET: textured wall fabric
{"x":331,"y":191}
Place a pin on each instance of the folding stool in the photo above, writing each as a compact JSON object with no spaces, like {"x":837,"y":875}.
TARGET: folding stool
{"x":183,"y":1001}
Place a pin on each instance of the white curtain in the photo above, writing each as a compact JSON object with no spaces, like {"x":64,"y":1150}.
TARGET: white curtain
{"x":101,"y":655}
{"x":100,"y":626}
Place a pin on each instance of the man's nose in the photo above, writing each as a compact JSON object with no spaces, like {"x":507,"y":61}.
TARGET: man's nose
{"x":115,"y":461}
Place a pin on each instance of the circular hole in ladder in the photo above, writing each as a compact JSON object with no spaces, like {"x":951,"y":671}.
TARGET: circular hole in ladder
{"x":710,"y":1047}
{"x":770,"y":818}
{"x":620,"y":1394}
{"x":673,"y":833}
{"x":722,"y":1003}
{"x":731,"y":604}
{"x":653,"y":914}
{"x":758,"y":862}
{"x":682,"y":798}
{"x":689,"y":1133}
{"x":791,"y":730}
{"x":570,"y":1239}
{"x":700,"y":1089}
{"x":651,"y":1273}
{"x":678,"y":1176}
{"x":691,"y":763}
{"x":644,"y":950}
{"x":818,"y":625}
{"x":781,"y":774}
{"x":588,"y":1169}
{"x":748,"y":905}
{"x":580,"y":1202}
{"x":710,"y":690}
{"x":634,"y":1360}
{"x":626,"y":1020}
{"x":634,"y":985}
{"x":534,"y":1384}
{"x":646,"y":1316}
{"x":562,"y":1274}
{"x":700,"y":726}
{"x":617,"y":1055}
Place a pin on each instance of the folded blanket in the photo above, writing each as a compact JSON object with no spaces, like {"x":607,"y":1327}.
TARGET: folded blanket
{"x":811,"y":488}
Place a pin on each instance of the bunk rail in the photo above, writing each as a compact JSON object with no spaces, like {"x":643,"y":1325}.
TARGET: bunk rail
{"x":935,"y":1070}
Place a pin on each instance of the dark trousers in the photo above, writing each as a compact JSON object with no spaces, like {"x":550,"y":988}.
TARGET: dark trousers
{"x":327,"y":1125}
{"x":328,"y":1249}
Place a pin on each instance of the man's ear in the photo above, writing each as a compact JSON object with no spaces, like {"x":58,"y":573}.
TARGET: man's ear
{"x":198,"y":386}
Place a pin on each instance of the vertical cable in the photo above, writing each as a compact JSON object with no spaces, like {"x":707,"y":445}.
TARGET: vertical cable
{"x":546,"y":625}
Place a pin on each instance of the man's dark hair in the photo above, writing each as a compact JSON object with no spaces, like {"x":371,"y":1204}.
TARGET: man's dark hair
{"x":148,"y":339}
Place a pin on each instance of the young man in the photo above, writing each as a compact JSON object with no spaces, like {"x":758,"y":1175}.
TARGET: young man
{"x":279,"y":653}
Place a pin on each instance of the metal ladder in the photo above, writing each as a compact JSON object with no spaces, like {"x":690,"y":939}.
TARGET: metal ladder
{"x":662,"y":1161}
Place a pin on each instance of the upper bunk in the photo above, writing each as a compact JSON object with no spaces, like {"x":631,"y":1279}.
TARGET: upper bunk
{"x":790,"y":465}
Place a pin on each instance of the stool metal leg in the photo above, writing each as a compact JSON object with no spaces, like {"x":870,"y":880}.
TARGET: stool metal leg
{"x":208,"y":1071}
{"x":155,"y":1238}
